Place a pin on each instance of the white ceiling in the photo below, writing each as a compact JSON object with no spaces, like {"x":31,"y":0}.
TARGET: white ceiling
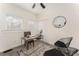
{"x":28,"y":6}
{"x":38,"y":9}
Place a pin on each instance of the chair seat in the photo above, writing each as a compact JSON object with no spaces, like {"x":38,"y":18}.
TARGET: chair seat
{"x":53,"y":52}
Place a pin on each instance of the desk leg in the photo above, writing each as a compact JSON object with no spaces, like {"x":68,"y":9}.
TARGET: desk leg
{"x":27,"y":46}
{"x":33,"y":43}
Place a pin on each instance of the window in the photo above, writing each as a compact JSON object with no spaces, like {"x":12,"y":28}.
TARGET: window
{"x":11,"y":23}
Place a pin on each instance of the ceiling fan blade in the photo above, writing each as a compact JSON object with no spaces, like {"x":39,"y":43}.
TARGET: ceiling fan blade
{"x":42,"y":5}
{"x":33,"y":5}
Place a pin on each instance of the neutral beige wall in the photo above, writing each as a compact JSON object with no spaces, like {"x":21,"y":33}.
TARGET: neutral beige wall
{"x":10,"y":39}
{"x":52,"y":34}
{"x":42,"y":21}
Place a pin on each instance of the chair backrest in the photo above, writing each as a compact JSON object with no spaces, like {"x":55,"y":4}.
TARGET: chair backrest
{"x":64,"y":42}
{"x":26,"y":34}
{"x":60,"y":44}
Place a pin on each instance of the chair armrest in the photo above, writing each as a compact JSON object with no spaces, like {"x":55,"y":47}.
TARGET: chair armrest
{"x":72,"y":51}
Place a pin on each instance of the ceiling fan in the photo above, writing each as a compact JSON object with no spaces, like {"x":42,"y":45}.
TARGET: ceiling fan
{"x":41,"y":4}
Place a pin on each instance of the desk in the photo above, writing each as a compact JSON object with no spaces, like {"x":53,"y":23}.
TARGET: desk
{"x":27,"y":42}
{"x":30,"y":41}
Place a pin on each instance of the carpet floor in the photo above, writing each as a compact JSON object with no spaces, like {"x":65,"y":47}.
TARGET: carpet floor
{"x":38,"y":50}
